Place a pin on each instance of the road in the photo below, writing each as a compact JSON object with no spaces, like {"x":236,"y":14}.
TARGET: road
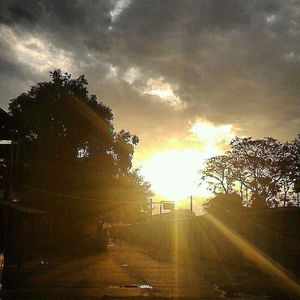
{"x":121,"y":271}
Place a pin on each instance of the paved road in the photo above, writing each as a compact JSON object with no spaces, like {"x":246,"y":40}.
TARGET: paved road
{"x":122,"y":271}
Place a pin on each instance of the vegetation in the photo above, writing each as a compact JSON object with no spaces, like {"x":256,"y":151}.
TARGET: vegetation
{"x":261,"y":171}
{"x":224,"y":204}
{"x":68,"y":146}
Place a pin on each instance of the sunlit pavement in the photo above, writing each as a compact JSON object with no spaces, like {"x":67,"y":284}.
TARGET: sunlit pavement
{"x":123,"y":271}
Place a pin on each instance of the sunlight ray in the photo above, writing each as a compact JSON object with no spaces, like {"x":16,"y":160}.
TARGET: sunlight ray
{"x":265,"y":263}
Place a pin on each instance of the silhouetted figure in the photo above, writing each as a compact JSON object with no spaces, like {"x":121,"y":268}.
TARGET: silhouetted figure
{"x":102,"y":234}
{"x":100,"y":223}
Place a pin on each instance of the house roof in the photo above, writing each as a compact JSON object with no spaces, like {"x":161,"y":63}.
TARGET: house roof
{"x":4,"y":115}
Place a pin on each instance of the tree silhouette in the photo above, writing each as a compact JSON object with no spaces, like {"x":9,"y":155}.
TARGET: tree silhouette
{"x":224,"y":204}
{"x":218,"y":174}
{"x":261,"y":170}
{"x":261,"y":165}
{"x":68,"y":144}
{"x":295,"y":150}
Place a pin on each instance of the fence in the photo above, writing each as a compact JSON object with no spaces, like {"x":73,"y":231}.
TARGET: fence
{"x":272,"y":234}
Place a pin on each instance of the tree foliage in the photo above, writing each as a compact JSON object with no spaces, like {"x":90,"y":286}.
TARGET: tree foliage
{"x":262,"y":171}
{"x":68,"y":144}
{"x":218,"y":174}
{"x":224,"y":203}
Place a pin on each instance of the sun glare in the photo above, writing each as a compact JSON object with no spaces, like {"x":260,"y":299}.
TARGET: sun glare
{"x":174,"y":173}
{"x":212,"y":134}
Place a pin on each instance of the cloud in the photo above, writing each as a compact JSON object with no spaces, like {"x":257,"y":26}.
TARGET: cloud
{"x":226,"y":59}
{"x":163,"y":65}
{"x":34,"y":52}
{"x":214,"y":137}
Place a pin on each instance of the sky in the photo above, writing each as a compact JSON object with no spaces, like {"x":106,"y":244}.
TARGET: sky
{"x":184,"y":76}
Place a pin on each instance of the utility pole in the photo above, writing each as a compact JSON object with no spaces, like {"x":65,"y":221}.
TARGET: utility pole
{"x":151,"y":208}
{"x":191,"y":204}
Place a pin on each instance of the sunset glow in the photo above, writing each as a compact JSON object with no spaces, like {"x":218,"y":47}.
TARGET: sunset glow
{"x":174,"y":172}
{"x":150,"y":149}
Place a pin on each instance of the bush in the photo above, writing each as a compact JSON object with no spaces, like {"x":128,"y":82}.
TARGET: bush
{"x":224,"y":204}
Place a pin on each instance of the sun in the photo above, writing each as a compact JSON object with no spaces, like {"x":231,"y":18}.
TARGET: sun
{"x":174,"y":174}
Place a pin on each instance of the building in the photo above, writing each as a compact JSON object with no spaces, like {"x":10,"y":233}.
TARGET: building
{"x":24,"y":231}
{"x":5,"y":153}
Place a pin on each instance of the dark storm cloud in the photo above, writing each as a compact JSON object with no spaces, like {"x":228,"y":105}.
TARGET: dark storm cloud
{"x":75,"y":27}
{"x":233,"y":61}
{"x":12,"y":75}
{"x":68,"y":22}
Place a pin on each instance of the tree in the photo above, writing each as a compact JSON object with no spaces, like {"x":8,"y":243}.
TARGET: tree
{"x":68,"y":144}
{"x":262,"y":171}
{"x":295,"y":174}
{"x":135,"y":186}
{"x":262,"y":166}
{"x":295,"y":149}
{"x":217,"y":172}
{"x":224,"y":204}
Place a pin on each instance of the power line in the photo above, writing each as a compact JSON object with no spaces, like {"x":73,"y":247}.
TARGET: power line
{"x":69,"y":196}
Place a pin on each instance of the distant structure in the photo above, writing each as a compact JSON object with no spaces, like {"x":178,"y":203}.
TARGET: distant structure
{"x":174,"y":215}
